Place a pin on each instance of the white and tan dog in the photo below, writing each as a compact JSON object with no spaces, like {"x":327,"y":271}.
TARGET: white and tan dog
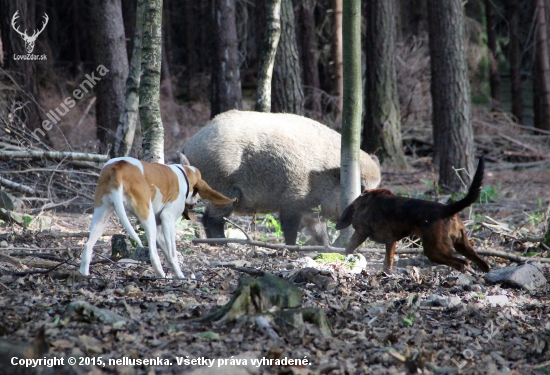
{"x":157,"y":194}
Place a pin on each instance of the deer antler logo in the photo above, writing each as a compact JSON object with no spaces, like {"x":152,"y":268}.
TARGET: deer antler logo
{"x":29,"y":39}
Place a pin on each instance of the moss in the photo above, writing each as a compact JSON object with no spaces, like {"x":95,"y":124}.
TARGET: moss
{"x":329,"y":258}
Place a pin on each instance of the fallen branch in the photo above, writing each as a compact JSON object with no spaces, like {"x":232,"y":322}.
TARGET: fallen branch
{"x":17,"y":186}
{"x":330,"y":249}
{"x":53,"y":155}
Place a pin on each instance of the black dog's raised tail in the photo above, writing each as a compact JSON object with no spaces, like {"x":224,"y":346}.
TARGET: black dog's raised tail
{"x":473,"y":193}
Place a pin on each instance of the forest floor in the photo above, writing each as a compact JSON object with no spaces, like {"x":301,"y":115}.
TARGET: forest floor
{"x":379,"y":323}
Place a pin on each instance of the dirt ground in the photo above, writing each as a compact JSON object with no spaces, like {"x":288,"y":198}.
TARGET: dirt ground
{"x":379,"y":323}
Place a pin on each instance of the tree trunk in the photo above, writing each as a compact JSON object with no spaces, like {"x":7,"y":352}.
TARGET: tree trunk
{"x":337,"y":56}
{"x":450,"y":89}
{"x":272,"y":34}
{"x":109,"y":45}
{"x":128,"y":118}
{"x":491,"y":17}
{"x":383,"y":120}
{"x":226,"y":78}
{"x":76,"y":67}
{"x":288,"y":95}
{"x":542,"y":68}
{"x":514,"y":52}
{"x":312,"y":83}
{"x":191,"y":34}
{"x":152,"y":129}
{"x":350,"y":173}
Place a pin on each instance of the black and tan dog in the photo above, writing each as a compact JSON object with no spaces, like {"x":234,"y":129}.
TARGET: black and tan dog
{"x":385,"y":218}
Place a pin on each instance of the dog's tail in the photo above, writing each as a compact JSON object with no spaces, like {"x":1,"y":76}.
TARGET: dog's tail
{"x":347,"y":217}
{"x":473,"y":193}
{"x":118,"y":202}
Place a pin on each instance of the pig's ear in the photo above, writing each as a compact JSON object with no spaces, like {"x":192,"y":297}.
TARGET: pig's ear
{"x":183,"y":159}
{"x":347,"y":217}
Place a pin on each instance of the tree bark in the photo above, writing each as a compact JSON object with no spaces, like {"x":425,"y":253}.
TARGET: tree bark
{"x":514,"y":55}
{"x":382,"y":128}
{"x":312,"y":83}
{"x":152,"y":129}
{"x":337,"y":56}
{"x":450,"y":89}
{"x":288,"y":95}
{"x":226,"y":78}
{"x":542,"y":68}
{"x":350,"y":173}
{"x":272,"y":34}
{"x":491,"y":17}
{"x":109,"y":45}
{"x":128,"y":118}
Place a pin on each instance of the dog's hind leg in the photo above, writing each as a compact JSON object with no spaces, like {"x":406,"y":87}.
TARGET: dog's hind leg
{"x":388,"y":259}
{"x":439,"y":250}
{"x":150,"y":226}
{"x":99,"y":222}
{"x":462,"y":245}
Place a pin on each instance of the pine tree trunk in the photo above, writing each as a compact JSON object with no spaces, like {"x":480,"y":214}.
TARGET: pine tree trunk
{"x":270,"y":42}
{"x":287,"y":92}
{"x":128,"y":119}
{"x":542,"y":68}
{"x":191,"y":35}
{"x":491,"y":17}
{"x":337,"y":56}
{"x":382,"y":120}
{"x":350,"y":173}
{"x":110,"y":51}
{"x":450,"y":89}
{"x":152,"y":129}
{"x":226,"y":78}
{"x":308,"y":38}
{"x":512,"y":12}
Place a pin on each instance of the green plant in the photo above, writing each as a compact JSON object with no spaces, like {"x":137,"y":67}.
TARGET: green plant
{"x":489,"y":194}
{"x":141,"y":234}
{"x":408,"y":321}
{"x":270,"y":222}
{"x":329,"y":258}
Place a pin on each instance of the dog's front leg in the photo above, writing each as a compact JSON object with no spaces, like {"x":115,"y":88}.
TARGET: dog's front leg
{"x":388,"y":260}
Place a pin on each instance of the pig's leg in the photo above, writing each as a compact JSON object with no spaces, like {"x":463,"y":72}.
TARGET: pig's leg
{"x":213,"y":222}
{"x":290,"y":224}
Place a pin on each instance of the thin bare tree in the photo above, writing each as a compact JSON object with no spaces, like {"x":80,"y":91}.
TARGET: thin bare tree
{"x":270,"y":42}
{"x":152,"y":129}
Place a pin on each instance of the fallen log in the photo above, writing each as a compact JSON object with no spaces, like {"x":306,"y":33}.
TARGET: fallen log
{"x":53,"y":155}
{"x":330,"y":249}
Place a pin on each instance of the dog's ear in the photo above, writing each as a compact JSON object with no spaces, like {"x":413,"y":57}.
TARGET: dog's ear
{"x":215,"y":197}
{"x":183,"y":159}
{"x":187,"y":215}
{"x":347,"y":217}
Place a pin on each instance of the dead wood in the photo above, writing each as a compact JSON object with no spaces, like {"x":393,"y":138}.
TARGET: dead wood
{"x":53,"y":155}
{"x":16,"y":186}
{"x":82,"y":310}
{"x":322,"y":279}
